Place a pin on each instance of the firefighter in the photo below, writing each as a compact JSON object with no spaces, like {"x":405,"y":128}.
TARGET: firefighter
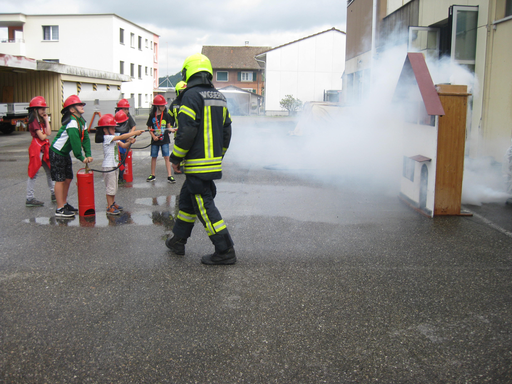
{"x":174,"y":109}
{"x":203,"y":137}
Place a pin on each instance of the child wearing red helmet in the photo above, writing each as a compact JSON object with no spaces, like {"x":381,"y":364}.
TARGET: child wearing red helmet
{"x":128,"y":126}
{"x":105,"y":133}
{"x":159,"y":125}
{"x":72,"y":136}
{"x":39,"y":127}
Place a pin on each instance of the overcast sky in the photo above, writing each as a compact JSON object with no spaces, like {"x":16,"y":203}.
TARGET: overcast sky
{"x":185,"y":26}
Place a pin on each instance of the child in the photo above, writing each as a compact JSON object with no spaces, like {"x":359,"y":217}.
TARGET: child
{"x":72,"y":136}
{"x":39,"y":127}
{"x":158,"y":121}
{"x":128,"y":126}
{"x":105,"y":133}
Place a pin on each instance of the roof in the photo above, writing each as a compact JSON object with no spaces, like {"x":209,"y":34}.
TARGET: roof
{"x":415,"y":72}
{"x":233,"y":57}
{"x":304,"y":38}
{"x":234,"y":89}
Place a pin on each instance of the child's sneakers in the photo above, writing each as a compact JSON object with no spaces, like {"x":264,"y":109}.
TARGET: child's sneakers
{"x":70,"y":208}
{"x":151,"y":178}
{"x":33,"y":203}
{"x":118,"y":207}
{"x":171,"y":180}
{"x":112,"y":210}
{"x":65,"y":213}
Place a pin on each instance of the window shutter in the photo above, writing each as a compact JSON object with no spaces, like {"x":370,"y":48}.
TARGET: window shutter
{"x":254,"y":76}
{"x":239,"y":76}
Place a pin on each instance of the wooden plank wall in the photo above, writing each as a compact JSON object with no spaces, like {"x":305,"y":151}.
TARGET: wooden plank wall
{"x":450,"y":150}
{"x":27,"y":85}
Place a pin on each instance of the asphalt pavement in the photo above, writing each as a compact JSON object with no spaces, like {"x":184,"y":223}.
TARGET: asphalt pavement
{"x":334,"y":283}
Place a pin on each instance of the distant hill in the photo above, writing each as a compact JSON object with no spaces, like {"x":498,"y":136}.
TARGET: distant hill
{"x":169,"y":81}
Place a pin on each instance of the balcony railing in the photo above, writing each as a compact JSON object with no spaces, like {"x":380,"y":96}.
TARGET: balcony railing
{"x":13,"y":47}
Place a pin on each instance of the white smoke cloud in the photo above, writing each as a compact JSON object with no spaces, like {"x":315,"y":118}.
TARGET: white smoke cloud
{"x":362,"y":144}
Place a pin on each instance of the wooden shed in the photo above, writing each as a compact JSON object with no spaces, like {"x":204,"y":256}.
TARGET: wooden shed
{"x":434,"y":139}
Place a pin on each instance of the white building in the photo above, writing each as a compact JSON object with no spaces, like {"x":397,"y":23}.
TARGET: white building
{"x":306,"y":69}
{"x":100,"y":42}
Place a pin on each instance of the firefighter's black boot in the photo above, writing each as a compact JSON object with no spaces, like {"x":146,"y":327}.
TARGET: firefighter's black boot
{"x":176,"y":244}
{"x":224,"y":258}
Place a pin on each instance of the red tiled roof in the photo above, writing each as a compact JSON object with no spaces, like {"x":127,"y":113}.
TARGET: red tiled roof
{"x":415,"y":71}
{"x":225,"y":57}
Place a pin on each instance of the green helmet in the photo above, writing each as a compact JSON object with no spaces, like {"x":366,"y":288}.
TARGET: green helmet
{"x":194,"y":64}
{"x":180,"y":87}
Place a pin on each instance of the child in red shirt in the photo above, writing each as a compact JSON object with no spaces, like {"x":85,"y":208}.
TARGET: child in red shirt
{"x":39,"y":127}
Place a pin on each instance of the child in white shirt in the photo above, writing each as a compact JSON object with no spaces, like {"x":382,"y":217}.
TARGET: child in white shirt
{"x":105,"y":133}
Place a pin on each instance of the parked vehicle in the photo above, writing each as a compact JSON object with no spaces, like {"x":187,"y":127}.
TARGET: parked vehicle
{"x":12,"y":116}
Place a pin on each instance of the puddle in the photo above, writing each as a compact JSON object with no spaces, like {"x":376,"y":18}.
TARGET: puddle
{"x":160,"y":182}
{"x":167,"y":201}
{"x":146,"y":218}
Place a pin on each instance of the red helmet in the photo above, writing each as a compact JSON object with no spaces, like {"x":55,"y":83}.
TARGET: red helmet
{"x":38,"y":102}
{"x":123,"y":103}
{"x":159,"y":100}
{"x":107,"y":120}
{"x":71,"y":100}
{"x":120,"y":117}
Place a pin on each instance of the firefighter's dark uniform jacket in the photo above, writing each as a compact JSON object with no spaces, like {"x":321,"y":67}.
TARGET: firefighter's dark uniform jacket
{"x":174,"y":109}
{"x":204,"y":131}
{"x":201,"y":141}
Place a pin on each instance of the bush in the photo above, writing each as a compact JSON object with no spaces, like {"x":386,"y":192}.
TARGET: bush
{"x":291,"y":104}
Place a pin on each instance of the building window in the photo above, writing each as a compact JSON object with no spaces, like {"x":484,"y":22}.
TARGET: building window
{"x":121,"y":35}
{"x":146,"y":43}
{"x":132,"y":40}
{"x":222,"y":76}
{"x":245,"y":76}
{"x":140,"y":71}
{"x":132,"y":70}
{"x":140,"y":99}
{"x":140,"y":43}
{"x":146,"y":72}
{"x":151,"y":45}
{"x":146,"y":98}
{"x":464,"y":28}
{"x":50,"y":32}
{"x":150,"y":71}
{"x":121,"y":67}
{"x":508,"y":8}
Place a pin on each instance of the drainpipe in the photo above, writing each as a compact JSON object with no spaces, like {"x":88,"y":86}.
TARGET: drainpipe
{"x":374,"y":34}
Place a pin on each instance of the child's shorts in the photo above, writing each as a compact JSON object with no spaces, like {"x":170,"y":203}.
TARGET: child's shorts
{"x":156,"y":148}
{"x":60,"y":167}
{"x":110,"y":179}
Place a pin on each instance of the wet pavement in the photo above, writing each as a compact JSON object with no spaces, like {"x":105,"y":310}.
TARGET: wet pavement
{"x":335,"y":284}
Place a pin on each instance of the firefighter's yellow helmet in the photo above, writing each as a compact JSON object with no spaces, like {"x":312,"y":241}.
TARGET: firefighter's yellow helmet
{"x":194,"y":64}
{"x":180,"y":87}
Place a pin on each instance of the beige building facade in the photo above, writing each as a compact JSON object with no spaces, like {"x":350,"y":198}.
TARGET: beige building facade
{"x":474,"y":34}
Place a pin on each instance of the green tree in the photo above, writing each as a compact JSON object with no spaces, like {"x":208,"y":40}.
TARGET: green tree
{"x":291,"y":104}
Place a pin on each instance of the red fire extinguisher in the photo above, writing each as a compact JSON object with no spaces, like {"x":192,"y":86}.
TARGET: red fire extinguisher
{"x":85,"y":186}
{"x":128,"y":173}
{"x":127,"y":166}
